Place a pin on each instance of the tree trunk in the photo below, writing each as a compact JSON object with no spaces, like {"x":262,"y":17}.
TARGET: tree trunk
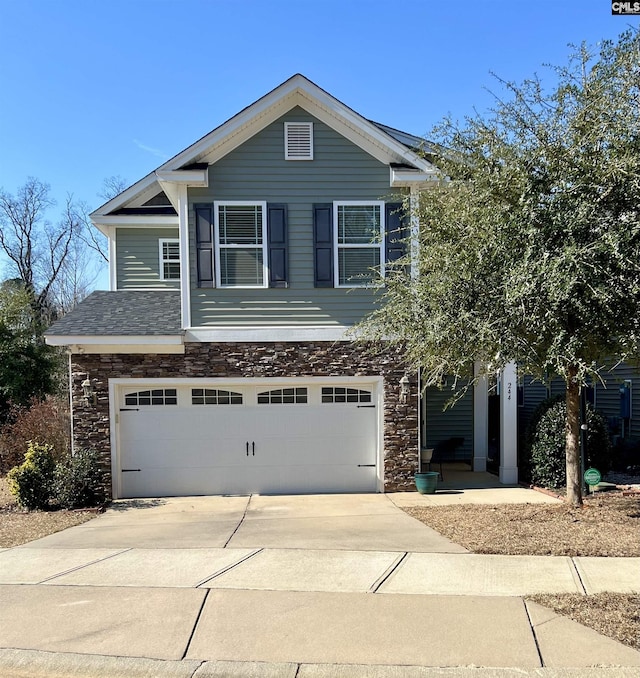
{"x":572,"y":450}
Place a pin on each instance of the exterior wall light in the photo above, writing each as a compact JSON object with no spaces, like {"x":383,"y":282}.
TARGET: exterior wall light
{"x":404,"y":389}
{"x":88,"y":394}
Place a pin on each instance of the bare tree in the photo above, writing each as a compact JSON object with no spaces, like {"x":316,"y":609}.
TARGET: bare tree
{"x":111,"y":187}
{"x":78,"y":272}
{"x":36,"y":248}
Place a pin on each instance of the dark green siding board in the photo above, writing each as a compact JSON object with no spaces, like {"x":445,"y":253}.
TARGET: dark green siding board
{"x":258,"y":171}
{"x":138,"y":257}
{"x":456,"y":421}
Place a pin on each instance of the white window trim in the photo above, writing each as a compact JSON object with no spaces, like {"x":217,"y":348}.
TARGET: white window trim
{"x":216,"y":247}
{"x":309,"y":125}
{"x":161,"y":243}
{"x":336,"y":245}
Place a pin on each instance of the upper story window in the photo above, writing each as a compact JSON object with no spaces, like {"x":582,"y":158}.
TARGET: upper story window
{"x":359,"y":242}
{"x":241,"y":244}
{"x":298,"y":141}
{"x":169,"y":259}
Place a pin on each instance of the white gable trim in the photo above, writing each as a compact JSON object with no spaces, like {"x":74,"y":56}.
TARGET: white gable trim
{"x":297,"y":91}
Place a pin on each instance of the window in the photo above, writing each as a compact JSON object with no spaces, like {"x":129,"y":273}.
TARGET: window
{"x":157,"y":396}
{"x":169,"y":259}
{"x":359,"y":242}
{"x":340,"y":394}
{"x":212,"y":396}
{"x":298,"y":140}
{"x":241,"y":236}
{"x":283,"y":396}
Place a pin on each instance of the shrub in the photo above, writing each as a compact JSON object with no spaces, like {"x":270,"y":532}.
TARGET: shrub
{"x":80,"y":481}
{"x":546,"y":439}
{"x":31,"y":483}
{"x":43,"y":422}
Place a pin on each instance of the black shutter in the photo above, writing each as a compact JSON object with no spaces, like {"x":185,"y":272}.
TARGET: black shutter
{"x":204,"y":244}
{"x":396,"y":233}
{"x":277,"y":242}
{"x":323,"y":245}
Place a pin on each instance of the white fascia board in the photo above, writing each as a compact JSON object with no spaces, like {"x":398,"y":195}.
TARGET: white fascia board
{"x":137,"y":220}
{"x":152,"y":349}
{"x":403,"y":178}
{"x":266,"y":334}
{"x":102,"y":223}
{"x":298,"y":91}
{"x":114,"y":340}
{"x":251,"y":114}
{"x":126,"y":196}
{"x":317,"y":98}
{"x":194,"y":177}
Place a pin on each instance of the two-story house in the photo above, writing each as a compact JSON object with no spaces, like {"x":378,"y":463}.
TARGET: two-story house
{"x":219,"y":361}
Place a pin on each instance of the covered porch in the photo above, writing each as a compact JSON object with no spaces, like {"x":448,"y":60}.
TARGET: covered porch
{"x":479,"y":433}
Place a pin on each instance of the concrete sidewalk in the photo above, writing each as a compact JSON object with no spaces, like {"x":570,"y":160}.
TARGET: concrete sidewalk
{"x":261,"y":596}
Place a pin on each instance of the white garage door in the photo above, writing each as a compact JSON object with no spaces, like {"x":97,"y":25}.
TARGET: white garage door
{"x":237,"y":439}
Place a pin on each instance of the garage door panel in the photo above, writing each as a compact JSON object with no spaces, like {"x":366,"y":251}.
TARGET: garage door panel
{"x":292,"y":448}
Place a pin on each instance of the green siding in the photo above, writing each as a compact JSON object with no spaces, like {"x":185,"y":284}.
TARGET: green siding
{"x":138,"y":257}
{"x":258,"y":171}
{"x":457,"y":421}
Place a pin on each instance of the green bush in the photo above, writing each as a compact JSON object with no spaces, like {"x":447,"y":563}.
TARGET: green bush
{"x":546,"y":439}
{"x":31,"y":483}
{"x":80,"y":481}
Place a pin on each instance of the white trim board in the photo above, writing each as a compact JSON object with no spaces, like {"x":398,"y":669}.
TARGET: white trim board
{"x":266,"y":334}
{"x":114,"y":340}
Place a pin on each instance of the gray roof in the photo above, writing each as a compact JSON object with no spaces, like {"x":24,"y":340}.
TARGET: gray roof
{"x":126,"y":312}
{"x":409,"y":140}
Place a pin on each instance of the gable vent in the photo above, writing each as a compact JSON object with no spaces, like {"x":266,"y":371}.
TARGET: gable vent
{"x":298,"y":140}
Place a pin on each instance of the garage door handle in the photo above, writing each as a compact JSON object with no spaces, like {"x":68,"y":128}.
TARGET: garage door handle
{"x":253,"y":449}
{"x":131,"y":470}
{"x":366,"y":465}
{"x":247,"y":448}
{"x":360,"y":406}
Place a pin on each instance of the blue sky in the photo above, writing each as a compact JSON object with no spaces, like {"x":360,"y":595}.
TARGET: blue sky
{"x":92,"y":89}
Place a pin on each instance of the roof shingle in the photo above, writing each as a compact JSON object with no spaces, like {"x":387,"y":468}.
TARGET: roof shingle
{"x":126,"y":312}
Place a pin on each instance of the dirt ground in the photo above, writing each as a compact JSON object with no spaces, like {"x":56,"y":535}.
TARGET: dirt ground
{"x":19,"y":527}
{"x":607,"y":525}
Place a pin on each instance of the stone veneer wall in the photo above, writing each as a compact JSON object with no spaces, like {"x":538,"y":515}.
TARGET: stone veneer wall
{"x":235,"y":360}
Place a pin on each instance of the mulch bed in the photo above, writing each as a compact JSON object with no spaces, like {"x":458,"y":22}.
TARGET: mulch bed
{"x":607,"y":525}
{"x":616,"y":615}
{"x":19,"y":527}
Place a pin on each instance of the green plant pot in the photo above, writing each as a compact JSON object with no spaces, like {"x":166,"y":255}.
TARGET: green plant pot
{"x":426,"y":483}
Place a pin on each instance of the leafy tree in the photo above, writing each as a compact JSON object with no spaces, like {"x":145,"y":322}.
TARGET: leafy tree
{"x":27,"y":365}
{"x":529,"y":245}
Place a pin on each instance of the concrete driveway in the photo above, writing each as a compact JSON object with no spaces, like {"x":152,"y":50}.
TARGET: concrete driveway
{"x":360,"y":522}
{"x":273,"y":586}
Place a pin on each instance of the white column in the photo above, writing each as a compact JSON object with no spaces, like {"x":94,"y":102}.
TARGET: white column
{"x":414,"y":202}
{"x":509,"y":425}
{"x":185,"y":273}
{"x":480,"y":421}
